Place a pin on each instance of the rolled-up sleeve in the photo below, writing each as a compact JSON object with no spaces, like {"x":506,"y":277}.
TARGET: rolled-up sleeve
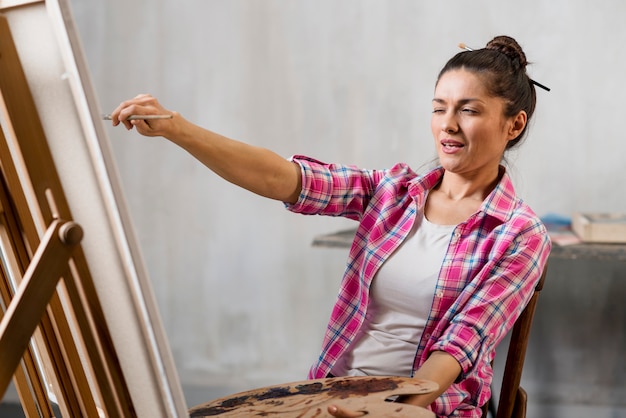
{"x":333,"y":189}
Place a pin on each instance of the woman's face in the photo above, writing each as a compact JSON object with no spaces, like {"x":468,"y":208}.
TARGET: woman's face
{"x":469,"y":126}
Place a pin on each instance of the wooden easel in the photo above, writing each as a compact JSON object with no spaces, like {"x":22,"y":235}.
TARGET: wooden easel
{"x":72,"y":342}
{"x":80,"y":330}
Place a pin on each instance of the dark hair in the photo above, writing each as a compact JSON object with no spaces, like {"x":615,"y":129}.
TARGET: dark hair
{"x":502,"y":66}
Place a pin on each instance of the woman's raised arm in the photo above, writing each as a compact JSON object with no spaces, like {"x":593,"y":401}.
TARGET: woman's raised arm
{"x":256,"y":169}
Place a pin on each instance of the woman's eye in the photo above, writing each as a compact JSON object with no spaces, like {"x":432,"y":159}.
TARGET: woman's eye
{"x":438,"y":110}
{"x":471,"y":111}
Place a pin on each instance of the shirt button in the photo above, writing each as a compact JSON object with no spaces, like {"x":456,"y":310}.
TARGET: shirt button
{"x":440,"y":294}
{"x":457,"y":235}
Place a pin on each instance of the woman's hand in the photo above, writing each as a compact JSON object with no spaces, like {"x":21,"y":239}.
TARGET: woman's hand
{"x":144,"y":105}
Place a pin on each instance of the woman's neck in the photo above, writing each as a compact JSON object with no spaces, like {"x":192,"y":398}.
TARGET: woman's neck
{"x":456,"y":197}
{"x":458,"y":187}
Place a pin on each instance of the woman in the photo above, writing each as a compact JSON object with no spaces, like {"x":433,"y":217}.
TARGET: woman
{"x":442,"y":263}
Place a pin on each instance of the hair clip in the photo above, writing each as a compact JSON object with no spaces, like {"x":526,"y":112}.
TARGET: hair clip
{"x":467,"y":48}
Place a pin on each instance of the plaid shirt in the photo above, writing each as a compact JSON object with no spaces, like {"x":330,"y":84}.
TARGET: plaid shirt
{"x":493,"y":262}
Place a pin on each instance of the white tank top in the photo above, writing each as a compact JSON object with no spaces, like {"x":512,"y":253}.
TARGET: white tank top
{"x":401,"y":296}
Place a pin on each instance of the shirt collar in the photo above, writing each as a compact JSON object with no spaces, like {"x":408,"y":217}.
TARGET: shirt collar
{"x":500,"y":203}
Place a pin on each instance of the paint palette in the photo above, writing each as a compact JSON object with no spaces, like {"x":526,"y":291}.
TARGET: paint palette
{"x":363,"y":395}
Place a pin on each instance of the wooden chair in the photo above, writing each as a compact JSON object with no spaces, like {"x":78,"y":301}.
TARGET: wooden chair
{"x":513,"y":398}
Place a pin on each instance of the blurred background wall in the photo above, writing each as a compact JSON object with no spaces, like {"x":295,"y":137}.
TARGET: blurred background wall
{"x":243,"y":295}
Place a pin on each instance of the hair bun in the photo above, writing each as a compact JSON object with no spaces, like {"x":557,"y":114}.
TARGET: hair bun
{"x":509,"y":47}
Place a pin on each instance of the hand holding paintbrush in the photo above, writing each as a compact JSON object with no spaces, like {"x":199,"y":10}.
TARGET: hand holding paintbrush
{"x":146,"y":114}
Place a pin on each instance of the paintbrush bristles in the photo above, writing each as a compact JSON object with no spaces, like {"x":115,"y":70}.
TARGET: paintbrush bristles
{"x":465,"y":47}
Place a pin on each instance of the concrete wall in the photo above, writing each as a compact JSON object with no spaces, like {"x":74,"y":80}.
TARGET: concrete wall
{"x":243,"y":296}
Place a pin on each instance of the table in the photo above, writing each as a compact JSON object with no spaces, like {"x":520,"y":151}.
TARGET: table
{"x":578,"y":251}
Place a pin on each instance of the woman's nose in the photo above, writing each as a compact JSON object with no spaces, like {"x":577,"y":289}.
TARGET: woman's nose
{"x":449,"y":123}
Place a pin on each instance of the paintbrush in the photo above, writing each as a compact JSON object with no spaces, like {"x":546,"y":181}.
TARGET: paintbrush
{"x":141,"y":117}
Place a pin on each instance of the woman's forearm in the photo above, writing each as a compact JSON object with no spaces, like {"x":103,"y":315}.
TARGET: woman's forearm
{"x":253,"y":168}
{"x":440,"y":368}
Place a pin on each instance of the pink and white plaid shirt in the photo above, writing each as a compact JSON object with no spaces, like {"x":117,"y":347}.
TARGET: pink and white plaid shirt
{"x":492,"y":265}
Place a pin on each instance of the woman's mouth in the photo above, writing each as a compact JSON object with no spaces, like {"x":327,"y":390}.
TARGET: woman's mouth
{"x":450,"y":146}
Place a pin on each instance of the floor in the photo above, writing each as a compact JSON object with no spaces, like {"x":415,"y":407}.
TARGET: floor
{"x":11,"y":410}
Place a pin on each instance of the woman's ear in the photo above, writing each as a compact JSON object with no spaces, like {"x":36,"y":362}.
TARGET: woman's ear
{"x":517,"y":125}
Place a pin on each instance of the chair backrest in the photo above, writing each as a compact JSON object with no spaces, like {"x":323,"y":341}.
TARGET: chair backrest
{"x":512,"y":401}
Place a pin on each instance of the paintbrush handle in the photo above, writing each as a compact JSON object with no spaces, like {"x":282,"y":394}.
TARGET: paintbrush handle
{"x":140,"y":117}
